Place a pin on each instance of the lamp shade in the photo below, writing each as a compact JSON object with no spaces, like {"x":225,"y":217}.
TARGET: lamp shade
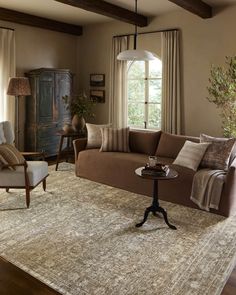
{"x":19,"y":86}
{"x":136,"y":54}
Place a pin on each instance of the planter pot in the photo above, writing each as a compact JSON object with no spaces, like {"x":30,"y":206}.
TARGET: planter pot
{"x":78,"y":123}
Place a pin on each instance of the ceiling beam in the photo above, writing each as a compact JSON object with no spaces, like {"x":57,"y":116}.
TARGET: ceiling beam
{"x":36,"y":21}
{"x":110,"y":10}
{"x":197,"y":7}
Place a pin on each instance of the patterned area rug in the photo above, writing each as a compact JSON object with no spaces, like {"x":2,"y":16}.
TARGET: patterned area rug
{"x":80,"y":238}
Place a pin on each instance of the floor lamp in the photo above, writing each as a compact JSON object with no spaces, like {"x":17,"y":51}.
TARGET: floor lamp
{"x":17,"y":87}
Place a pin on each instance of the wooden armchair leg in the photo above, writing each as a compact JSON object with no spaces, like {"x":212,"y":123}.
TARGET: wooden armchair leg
{"x":44,"y":184}
{"x":7,"y":189}
{"x":27,"y":192}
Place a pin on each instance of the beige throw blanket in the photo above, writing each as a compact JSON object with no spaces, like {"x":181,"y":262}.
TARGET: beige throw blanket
{"x":207,"y":188}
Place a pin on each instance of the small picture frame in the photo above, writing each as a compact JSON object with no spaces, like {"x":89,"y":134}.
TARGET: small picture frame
{"x":97,"y":95}
{"x":97,"y":80}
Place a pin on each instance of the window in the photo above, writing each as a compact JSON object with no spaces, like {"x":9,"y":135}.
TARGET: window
{"x":144,"y":94}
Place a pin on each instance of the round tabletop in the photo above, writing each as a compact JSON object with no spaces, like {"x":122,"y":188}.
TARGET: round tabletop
{"x":171,"y":174}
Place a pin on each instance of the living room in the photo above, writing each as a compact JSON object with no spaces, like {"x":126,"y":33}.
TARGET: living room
{"x":203,"y":43}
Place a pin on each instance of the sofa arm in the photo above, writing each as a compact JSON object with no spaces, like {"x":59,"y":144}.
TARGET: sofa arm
{"x":228,"y":198}
{"x":79,"y":145}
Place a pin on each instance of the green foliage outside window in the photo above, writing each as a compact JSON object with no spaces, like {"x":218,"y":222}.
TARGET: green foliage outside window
{"x":144,"y":94}
{"x":222,"y":92}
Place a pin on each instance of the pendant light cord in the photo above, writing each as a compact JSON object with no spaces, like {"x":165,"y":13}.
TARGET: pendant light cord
{"x":136,"y":30}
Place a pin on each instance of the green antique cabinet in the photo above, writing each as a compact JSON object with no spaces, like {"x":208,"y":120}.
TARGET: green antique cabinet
{"x":46,"y":113}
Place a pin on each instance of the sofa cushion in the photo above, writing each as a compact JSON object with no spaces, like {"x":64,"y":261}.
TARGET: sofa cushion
{"x":144,"y":142}
{"x":170,"y":145}
{"x":218,"y":154}
{"x":115,"y":140}
{"x":191,"y":154}
{"x":94,"y":135}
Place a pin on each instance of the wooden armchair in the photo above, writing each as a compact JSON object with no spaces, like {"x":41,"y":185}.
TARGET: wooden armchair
{"x":26,"y":175}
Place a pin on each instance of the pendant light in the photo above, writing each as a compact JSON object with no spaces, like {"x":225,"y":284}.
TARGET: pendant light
{"x":136,"y":54}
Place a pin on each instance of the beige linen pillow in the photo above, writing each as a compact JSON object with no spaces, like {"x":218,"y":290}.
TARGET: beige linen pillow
{"x":191,"y":154}
{"x":94,"y":135}
{"x":10,"y":154}
{"x":218,"y":154}
{"x":115,"y":140}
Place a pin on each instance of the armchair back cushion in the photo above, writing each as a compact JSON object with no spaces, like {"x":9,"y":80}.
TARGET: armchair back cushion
{"x":8,"y":132}
{"x":170,"y":145}
{"x":2,"y":137}
{"x":143,"y":142}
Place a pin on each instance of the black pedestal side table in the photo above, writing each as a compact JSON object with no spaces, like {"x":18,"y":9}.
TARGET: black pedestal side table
{"x":155,"y":207}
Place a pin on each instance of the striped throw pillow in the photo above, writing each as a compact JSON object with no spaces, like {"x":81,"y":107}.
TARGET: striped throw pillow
{"x":2,"y":162}
{"x":115,"y":140}
{"x":191,"y":154}
{"x":10,"y":154}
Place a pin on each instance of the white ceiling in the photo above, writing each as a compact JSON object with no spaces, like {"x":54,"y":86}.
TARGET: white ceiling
{"x":65,"y":13}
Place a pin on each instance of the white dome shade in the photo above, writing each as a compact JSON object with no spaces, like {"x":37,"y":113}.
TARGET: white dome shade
{"x":136,"y":54}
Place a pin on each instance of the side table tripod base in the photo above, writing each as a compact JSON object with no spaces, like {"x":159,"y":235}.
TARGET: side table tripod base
{"x":154,"y":211}
{"x":155,"y":207}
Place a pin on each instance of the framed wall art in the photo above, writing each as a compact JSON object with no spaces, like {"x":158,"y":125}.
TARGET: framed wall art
{"x":97,"y":95}
{"x":97,"y":80}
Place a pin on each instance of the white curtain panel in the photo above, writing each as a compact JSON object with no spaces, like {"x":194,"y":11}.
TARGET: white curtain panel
{"x":7,"y":70}
{"x":171,"y":95}
{"x":118,"y":108}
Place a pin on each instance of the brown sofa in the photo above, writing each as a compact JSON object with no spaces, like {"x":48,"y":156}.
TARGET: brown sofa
{"x":117,"y":169}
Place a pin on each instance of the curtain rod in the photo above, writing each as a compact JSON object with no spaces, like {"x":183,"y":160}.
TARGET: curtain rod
{"x":7,"y":28}
{"x":143,"y":33}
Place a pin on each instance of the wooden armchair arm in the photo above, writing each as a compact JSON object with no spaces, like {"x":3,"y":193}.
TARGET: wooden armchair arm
{"x":34,"y":154}
{"x":79,"y":145}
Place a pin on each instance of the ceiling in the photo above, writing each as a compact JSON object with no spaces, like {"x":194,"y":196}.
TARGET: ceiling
{"x":65,"y":13}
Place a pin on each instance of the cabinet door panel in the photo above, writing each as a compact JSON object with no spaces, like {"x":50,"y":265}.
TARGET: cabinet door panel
{"x":63,"y":87}
{"x":46,"y":94}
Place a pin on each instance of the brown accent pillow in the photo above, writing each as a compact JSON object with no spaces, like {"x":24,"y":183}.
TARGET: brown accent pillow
{"x":143,"y":142}
{"x":115,"y":140}
{"x":218,"y":153}
{"x":10,"y":154}
{"x":170,"y":145}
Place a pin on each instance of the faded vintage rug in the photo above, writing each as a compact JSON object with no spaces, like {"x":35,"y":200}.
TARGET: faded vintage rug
{"x":80,"y":238}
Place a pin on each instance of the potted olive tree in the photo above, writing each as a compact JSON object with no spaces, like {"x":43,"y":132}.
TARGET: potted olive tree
{"x":80,"y":107}
{"x":222,"y":92}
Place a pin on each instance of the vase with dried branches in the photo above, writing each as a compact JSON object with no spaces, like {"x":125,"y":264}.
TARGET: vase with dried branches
{"x":80,"y":107}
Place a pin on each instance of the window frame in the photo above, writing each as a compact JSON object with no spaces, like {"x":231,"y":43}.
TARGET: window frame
{"x":146,"y":102}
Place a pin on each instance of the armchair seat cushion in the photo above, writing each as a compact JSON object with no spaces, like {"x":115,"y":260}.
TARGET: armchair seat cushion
{"x":37,"y":170}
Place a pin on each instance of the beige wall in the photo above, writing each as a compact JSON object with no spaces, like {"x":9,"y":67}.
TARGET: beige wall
{"x":204,"y":42}
{"x":37,"y":48}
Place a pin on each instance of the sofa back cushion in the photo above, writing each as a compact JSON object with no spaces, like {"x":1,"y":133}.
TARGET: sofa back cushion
{"x":144,"y":142}
{"x":170,"y":145}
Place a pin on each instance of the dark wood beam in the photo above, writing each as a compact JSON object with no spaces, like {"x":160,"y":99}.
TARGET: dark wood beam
{"x":197,"y":7}
{"x":36,"y":21}
{"x":110,"y":10}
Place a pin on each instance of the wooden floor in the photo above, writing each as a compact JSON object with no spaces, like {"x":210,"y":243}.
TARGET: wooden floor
{"x":14,"y":281}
